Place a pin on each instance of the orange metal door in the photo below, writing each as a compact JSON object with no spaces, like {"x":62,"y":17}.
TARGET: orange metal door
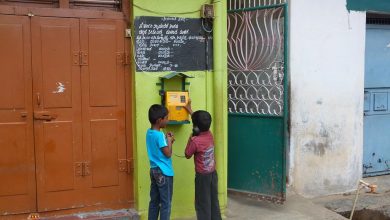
{"x":103,"y":95}
{"x":17,"y":166}
{"x":57,"y":112}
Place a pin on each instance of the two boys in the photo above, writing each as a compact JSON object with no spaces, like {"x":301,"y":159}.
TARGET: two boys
{"x":201,"y":145}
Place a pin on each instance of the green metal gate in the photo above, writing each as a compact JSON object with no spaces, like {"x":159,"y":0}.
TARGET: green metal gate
{"x":258,"y":104}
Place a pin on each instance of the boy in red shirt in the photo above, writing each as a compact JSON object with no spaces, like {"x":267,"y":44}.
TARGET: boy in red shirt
{"x":201,"y":145}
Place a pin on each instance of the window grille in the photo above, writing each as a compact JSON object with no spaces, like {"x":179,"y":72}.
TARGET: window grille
{"x":240,"y":4}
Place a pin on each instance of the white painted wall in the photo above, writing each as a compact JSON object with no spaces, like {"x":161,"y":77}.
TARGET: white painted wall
{"x":326,"y":106}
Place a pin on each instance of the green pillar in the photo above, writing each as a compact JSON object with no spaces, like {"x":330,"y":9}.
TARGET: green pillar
{"x":207,"y":90}
{"x":220,"y":96}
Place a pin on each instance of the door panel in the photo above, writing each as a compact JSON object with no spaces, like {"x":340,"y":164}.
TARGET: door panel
{"x":105,"y":159}
{"x":102,"y":57}
{"x":376,"y":140}
{"x":103,"y":92}
{"x":57,"y":106}
{"x":17,"y":166}
{"x":252,"y":172}
{"x":56,"y":65}
{"x":58,"y":160}
{"x":12,"y":60}
{"x":14,"y":152}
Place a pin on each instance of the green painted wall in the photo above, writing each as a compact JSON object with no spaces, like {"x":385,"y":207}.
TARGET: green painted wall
{"x":208,"y":90}
{"x":369,"y":5}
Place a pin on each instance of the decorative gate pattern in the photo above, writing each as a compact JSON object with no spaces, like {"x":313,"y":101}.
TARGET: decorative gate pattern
{"x":244,"y":4}
{"x":256,"y":61}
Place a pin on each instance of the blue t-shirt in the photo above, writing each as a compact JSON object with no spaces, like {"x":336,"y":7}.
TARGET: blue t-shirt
{"x":155,"y":141}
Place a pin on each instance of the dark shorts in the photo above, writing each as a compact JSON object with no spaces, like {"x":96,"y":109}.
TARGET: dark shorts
{"x":206,"y":196}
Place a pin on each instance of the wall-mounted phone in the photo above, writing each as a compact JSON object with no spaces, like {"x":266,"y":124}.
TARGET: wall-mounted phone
{"x":175,"y":99}
{"x":175,"y":102}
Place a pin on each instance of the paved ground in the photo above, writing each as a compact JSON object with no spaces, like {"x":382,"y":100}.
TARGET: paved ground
{"x":368,"y":206}
{"x":295,"y":208}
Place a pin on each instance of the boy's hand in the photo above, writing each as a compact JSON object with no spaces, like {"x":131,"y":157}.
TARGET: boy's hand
{"x":188,"y":106}
{"x":170,"y":137}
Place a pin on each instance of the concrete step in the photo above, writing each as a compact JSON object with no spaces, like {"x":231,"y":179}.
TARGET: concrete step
{"x":122,"y":214}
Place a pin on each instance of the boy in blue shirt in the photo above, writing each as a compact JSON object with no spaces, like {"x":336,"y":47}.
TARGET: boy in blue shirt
{"x":159,"y":148}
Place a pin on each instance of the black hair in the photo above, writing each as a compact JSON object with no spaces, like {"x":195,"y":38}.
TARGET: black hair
{"x":156,"y":112}
{"x":202,"y":120}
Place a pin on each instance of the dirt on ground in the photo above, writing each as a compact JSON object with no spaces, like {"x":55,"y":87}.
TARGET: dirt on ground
{"x":369,"y":205}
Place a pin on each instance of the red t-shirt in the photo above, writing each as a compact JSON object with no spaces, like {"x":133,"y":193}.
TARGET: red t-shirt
{"x":202,"y":147}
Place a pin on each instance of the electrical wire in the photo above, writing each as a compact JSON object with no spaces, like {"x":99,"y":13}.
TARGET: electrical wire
{"x":165,"y":13}
{"x":205,"y":29}
{"x":173,"y":13}
{"x":179,"y":155}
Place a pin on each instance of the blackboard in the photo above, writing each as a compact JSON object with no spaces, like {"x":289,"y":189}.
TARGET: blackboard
{"x":172,"y":44}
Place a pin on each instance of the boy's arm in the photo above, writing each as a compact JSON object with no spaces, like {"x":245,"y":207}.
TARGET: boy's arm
{"x":190,"y":148}
{"x":188,"y":107}
{"x":167,"y":150}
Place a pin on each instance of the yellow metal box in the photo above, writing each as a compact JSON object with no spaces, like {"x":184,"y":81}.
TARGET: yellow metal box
{"x":175,"y":102}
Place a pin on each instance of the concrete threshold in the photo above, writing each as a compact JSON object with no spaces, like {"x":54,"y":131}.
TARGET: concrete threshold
{"x":122,"y":214}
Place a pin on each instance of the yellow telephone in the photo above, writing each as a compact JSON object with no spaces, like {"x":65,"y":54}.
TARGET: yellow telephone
{"x":175,"y":102}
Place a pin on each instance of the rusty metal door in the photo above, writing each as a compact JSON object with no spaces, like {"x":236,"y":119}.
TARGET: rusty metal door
{"x":57,"y":112}
{"x":17,"y":168}
{"x":103,"y":95}
{"x":63,"y":114}
{"x":79,"y":91}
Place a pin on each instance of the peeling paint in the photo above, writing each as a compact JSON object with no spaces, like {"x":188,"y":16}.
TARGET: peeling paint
{"x":60,"y":88}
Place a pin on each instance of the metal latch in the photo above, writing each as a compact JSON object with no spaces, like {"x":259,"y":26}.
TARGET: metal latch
{"x":82,"y":169}
{"x":126,"y":165}
{"x":80,"y":58}
{"x":83,"y":58}
{"x":44,"y":115}
{"x":128,"y":33}
{"x":123,"y":58}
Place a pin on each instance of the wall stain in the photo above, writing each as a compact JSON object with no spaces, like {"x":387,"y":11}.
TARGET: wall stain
{"x":317,"y":148}
{"x":326,"y":182}
{"x":321,"y":141}
{"x":323,"y":132}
